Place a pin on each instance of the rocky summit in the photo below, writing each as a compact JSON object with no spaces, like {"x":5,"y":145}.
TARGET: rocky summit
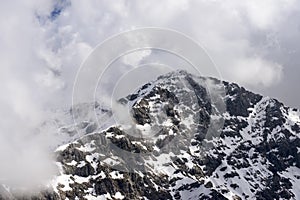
{"x":180,"y":137}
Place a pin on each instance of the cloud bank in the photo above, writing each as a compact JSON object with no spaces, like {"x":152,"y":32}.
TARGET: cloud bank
{"x":43,"y":43}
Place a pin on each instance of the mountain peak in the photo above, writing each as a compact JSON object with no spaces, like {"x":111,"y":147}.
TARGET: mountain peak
{"x":186,"y":137}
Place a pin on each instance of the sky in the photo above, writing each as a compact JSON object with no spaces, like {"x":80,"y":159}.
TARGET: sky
{"x":43,"y":43}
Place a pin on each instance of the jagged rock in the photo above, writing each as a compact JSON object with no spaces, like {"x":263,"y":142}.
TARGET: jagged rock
{"x":253,"y":155}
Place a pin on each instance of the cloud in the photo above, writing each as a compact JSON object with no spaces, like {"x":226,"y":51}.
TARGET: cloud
{"x":267,"y":14}
{"x":257,"y":72}
{"x":24,"y":153}
{"x":43,"y":43}
{"x":224,"y":28}
{"x":135,"y":58}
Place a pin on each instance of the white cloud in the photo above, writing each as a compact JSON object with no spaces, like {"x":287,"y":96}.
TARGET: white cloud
{"x":135,"y":58}
{"x":39,"y":56}
{"x":256,"y":72}
{"x":224,"y":28}
{"x":24,"y":158}
{"x":265,"y":13}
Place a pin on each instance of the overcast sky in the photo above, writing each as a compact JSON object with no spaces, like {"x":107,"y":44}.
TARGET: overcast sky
{"x":43,"y":42}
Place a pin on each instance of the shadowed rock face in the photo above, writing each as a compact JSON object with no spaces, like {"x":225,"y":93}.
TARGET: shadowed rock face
{"x":255,"y":155}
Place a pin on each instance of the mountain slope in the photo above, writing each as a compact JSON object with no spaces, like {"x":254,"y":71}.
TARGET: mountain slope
{"x":186,"y":137}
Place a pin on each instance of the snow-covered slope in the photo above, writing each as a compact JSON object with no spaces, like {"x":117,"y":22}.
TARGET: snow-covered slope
{"x":187,"y":137}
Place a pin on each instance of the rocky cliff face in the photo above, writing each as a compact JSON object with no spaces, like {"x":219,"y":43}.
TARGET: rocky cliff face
{"x":188,"y":137}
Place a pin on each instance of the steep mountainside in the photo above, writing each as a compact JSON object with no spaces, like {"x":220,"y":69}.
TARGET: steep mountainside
{"x":184,"y":137}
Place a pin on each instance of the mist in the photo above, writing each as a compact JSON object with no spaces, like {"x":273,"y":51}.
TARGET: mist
{"x":43,"y":43}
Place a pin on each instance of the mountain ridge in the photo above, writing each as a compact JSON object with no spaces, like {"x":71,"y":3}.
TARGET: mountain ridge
{"x":189,"y":137}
